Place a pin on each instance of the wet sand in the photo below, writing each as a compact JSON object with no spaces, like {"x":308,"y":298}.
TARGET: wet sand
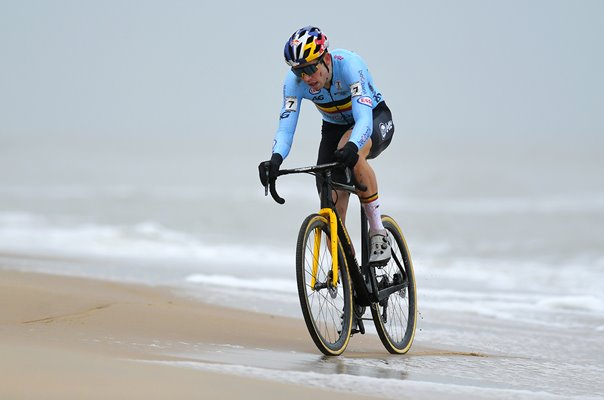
{"x":64,"y":337}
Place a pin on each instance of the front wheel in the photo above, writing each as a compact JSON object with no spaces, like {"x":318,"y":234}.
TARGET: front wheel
{"x":327,"y":307}
{"x":395,"y":316}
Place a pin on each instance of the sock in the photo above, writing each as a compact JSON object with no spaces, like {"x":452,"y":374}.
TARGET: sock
{"x":371,"y":206}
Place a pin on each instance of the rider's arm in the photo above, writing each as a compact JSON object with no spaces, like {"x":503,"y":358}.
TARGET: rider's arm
{"x":357,"y":75}
{"x":288,"y":118}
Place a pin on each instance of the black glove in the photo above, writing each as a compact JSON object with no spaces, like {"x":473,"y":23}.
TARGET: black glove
{"x":268,"y":170}
{"x":348,"y":155}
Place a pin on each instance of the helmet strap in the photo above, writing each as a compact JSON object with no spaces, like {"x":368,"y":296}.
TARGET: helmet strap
{"x":323,"y":61}
{"x":326,"y":66}
{"x":328,"y":71}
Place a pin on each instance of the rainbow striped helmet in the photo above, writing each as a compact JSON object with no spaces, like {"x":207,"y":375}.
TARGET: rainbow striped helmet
{"x":305,"y":45}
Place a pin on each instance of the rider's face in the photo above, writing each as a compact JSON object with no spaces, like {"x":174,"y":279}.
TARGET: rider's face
{"x":319,"y":79}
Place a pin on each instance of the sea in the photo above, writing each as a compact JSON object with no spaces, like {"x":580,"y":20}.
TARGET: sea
{"x":506,"y":236}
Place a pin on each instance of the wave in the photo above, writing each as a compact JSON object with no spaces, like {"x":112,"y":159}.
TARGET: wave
{"x":502,"y":289}
{"x":32,"y":234}
{"x":509,"y":306}
{"x":577,"y":276}
{"x":385,"y":387}
{"x":274,"y":284}
{"x":573,"y":303}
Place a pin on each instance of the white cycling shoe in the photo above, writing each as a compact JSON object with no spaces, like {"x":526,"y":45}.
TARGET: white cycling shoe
{"x":379,"y":251}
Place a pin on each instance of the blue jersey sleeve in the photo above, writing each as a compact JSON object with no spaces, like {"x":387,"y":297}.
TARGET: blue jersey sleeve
{"x":357,"y":74}
{"x":288,"y":118}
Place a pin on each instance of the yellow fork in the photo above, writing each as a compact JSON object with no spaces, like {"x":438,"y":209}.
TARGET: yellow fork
{"x":330,"y":215}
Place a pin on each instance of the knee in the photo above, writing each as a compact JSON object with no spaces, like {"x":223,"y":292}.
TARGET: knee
{"x":361,"y":164}
{"x":363,"y":154}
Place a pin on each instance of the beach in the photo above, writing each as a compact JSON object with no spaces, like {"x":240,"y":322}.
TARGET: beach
{"x":65,"y":337}
{"x":77,"y":338}
{"x":68,"y":337}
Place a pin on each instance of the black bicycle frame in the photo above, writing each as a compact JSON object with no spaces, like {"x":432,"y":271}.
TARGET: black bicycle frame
{"x":366,"y":290}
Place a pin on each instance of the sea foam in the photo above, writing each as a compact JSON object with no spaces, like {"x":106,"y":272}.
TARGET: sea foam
{"x":32,"y":234}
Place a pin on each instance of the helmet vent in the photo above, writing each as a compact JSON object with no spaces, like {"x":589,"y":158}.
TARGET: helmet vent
{"x":305,"y":45}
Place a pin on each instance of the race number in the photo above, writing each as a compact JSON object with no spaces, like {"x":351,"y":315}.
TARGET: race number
{"x":356,"y":89}
{"x":291,"y":104}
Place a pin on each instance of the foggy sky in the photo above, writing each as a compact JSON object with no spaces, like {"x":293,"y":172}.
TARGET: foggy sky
{"x":193,"y":67}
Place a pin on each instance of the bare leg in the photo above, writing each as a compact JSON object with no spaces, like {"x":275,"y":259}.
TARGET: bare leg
{"x":341,"y":199}
{"x":380,"y":251}
{"x":362,"y":170}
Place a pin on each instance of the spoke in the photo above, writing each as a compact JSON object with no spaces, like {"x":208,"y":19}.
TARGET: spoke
{"x":326,"y":311}
{"x":398,"y":307}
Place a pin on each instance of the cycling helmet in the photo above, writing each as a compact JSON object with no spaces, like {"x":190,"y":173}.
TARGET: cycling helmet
{"x":305,"y":45}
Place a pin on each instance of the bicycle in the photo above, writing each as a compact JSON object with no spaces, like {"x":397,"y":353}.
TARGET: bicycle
{"x":334,"y":292}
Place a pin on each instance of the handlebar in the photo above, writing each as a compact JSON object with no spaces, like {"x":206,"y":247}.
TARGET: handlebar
{"x":322,"y":169}
{"x":274,"y":193}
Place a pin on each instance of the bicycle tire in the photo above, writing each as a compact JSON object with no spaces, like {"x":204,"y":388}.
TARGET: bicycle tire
{"x":396,"y":324}
{"x":327,"y":311}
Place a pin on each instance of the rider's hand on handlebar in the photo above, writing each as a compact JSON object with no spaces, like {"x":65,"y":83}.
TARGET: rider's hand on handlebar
{"x":268,"y":170}
{"x":348,"y":155}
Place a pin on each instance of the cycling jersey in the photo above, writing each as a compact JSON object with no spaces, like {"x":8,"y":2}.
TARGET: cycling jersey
{"x":349,"y":100}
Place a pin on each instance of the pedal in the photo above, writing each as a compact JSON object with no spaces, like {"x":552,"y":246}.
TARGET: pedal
{"x":379,"y":264}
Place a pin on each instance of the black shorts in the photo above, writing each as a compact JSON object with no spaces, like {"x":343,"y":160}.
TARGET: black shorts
{"x":383,"y":130}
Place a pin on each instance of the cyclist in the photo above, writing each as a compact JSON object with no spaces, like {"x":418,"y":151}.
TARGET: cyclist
{"x":357,"y":125}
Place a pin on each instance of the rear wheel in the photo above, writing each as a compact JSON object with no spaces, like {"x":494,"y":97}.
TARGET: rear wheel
{"x":327,"y":308}
{"x":395,"y":316}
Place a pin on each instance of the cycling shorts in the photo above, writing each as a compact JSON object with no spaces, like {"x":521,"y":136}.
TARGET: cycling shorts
{"x":381,"y":136}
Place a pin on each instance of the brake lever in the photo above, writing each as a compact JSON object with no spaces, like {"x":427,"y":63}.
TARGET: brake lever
{"x":267,"y":183}
{"x":270,"y":187}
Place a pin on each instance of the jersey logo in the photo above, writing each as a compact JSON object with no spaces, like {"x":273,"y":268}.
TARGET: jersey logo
{"x":313,"y":91}
{"x":385,"y":128}
{"x":356,"y":89}
{"x":291,"y":104}
{"x":338,"y":85}
{"x":366,"y":101}
{"x":366,"y":135}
